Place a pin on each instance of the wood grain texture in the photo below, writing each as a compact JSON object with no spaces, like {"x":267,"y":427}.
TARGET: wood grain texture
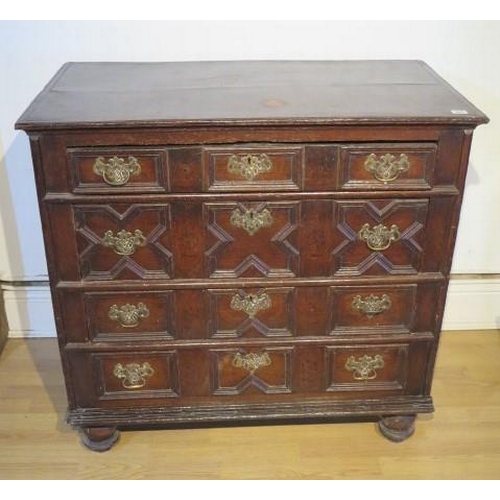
{"x":461,"y":440}
{"x":273,"y":92}
{"x":228,"y":193}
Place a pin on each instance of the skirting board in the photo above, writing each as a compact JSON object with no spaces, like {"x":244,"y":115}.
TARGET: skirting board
{"x":472,"y":304}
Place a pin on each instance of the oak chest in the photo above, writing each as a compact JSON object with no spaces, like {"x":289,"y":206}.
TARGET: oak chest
{"x":235,"y":241}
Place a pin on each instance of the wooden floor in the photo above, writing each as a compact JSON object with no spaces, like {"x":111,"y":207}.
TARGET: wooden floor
{"x":461,"y":440}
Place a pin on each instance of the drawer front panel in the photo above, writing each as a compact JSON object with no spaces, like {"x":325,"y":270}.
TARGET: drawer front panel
{"x":136,"y":375}
{"x":253,"y":373}
{"x":373,"y":309}
{"x":367,"y":368}
{"x":249,"y":168}
{"x":129,"y":316}
{"x":247,"y":313}
{"x":254,"y":168}
{"x":118,"y":170}
{"x":264,"y":312}
{"x":387,"y":166}
{"x":252,"y":239}
{"x":381,"y":236}
{"x":123,"y":241}
{"x":265,"y":370}
{"x":309,"y":238}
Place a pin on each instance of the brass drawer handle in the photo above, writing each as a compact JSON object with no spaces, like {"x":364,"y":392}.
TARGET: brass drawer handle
{"x":251,"y":304}
{"x":125,"y":242}
{"x":365,"y":367}
{"x":379,"y":237}
{"x":251,"y":220}
{"x":116,"y":171}
{"x":133,"y":375}
{"x":386,"y":168}
{"x":252,"y":361}
{"x":249,"y":166}
{"x":371,"y":304}
{"x":128,"y":315}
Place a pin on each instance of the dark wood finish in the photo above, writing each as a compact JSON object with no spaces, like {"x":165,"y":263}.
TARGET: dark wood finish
{"x":285,"y":371}
{"x":216,"y":316}
{"x":161,"y":382}
{"x":157,"y":324}
{"x":151,"y":178}
{"x":193,"y":240}
{"x":246,"y":92}
{"x":206,"y":313}
{"x":391,"y":376}
{"x":285,"y":171}
{"x":352,"y":256}
{"x":313,"y":410}
{"x":393,"y":308}
{"x":354,"y":175}
{"x":273,"y":377}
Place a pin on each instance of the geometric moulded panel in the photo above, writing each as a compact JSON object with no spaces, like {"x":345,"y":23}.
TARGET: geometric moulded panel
{"x":244,"y":313}
{"x":252,"y":239}
{"x":380,"y":237}
{"x":251,"y":370}
{"x":123,"y":241}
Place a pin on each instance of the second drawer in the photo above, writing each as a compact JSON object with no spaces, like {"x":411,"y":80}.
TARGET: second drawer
{"x":233,"y":239}
{"x":257,"y":313}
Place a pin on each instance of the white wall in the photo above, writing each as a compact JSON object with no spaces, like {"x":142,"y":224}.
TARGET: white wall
{"x":465,"y":53}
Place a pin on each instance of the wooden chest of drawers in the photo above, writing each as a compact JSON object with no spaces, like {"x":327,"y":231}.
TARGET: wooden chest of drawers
{"x":248,"y":240}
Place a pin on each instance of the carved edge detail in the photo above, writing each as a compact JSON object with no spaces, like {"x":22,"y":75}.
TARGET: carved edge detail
{"x":405,"y":405}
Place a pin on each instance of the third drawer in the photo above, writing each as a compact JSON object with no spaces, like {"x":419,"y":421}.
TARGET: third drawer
{"x":248,"y":313}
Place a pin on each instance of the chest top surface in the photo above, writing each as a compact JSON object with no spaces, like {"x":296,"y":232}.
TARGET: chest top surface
{"x":96,"y":95}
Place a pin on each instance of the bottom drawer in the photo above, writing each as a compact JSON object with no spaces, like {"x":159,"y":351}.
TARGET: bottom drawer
{"x":253,"y":373}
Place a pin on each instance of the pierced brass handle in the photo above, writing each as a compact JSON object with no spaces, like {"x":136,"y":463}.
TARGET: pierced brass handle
{"x":251,"y":220}
{"x":116,"y":171}
{"x":252,"y":361}
{"x":365,"y":367}
{"x":125,"y":242}
{"x":133,"y":375}
{"x":386,"y":168}
{"x":371,"y":304}
{"x":251,"y":304}
{"x":128,"y":315}
{"x":379,"y":237}
{"x":249,"y":166}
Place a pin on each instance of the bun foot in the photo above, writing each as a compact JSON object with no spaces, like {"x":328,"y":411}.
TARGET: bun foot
{"x":397,"y":428}
{"x":99,"y":438}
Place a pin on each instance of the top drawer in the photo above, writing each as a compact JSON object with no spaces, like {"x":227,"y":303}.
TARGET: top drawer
{"x":252,"y":168}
